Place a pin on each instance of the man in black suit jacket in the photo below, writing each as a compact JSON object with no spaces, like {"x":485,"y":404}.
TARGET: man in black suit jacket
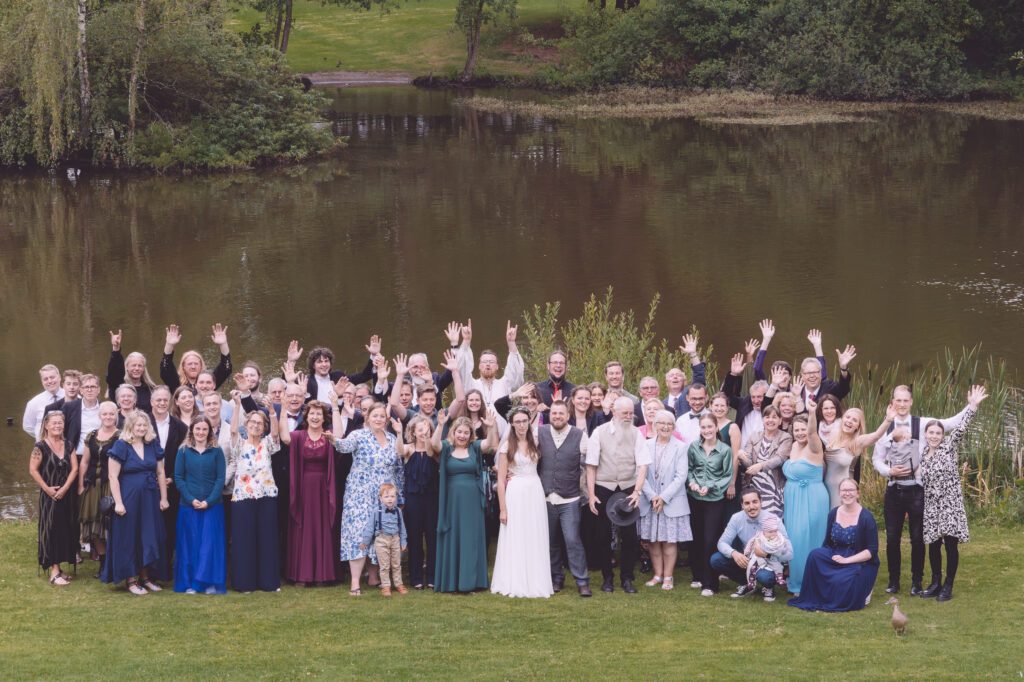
{"x":71,"y":406}
{"x":171,"y":433}
{"x":556,"y":385}
{"x":814,"y":386}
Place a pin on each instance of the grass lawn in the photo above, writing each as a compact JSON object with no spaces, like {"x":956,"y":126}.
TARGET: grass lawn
{"x":90,"y":630}
{"x":417,"y":38}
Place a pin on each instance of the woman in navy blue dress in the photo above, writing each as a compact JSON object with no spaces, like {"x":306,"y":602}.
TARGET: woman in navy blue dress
{"x":135,"y":552}
{"x":840,"y":575}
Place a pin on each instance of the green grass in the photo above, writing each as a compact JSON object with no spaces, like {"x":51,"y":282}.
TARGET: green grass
{"x":90,"y":630}
{"x":417,"y":38}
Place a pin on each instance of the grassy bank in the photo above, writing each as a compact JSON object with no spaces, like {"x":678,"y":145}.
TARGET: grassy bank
{"x":89,"y":630}
{"x":725,"y":107}
{"x":415,"y":38}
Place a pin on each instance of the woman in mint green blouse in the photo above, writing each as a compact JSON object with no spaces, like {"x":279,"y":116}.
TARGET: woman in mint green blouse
{"x":201,"y":549}
{"x":708,"y":479}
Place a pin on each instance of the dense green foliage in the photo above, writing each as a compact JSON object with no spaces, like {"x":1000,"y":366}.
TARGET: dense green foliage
{"x":205,"y":100}
{"x":852,"y":49}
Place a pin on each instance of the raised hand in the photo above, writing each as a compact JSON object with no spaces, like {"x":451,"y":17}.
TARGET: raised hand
{"x":373,"y":347}
{"x":778,"y":376}
{"x":449,"y":361}
{"x":977,"y":394}
{"x":890,"y":412}
{"x":796,"y":386}
{"x":401,"y":364}
{"x":814,"y":336}
{"x":810,"y":403}
{"x":332,"y":395}
{"x":767,"y":332}
{"x":288,"y":370}
{"x":173,"y":336}
{"x":294,"y":352}
{"x":511,"y":332}
{"x":467,"y":331}
{"x":751,"y":348}
{"x":268,"y":404}
{"x":442,"y":416}
{"x":490,"y":418}
{"x":523,"y":390}
{"x":241,"y":383}
{"x":300,"y":378}
{"x":115,"y":340}
{"x":689,"y":346}
{"x":341,"y":384}
{"x":846,"y":356}
{"x":737,"y":365}
{"x":236,"y":395}
{"x":396,"y":426}
{"x":383,"y":368}
{"x":454,"y":333}
{"x":219,"y":334}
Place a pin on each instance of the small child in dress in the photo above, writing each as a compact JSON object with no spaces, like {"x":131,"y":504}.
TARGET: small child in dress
{"x":386,"y":530}
{"x":771,"y":542}
{"x":901,"y":452}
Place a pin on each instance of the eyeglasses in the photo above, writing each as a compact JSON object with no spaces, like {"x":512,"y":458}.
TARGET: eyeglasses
{"x":90,"y":387}
{"x":669,"y":424}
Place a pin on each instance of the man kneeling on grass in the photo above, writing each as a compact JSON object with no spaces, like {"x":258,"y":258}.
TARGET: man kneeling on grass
{"x":730,"y":559}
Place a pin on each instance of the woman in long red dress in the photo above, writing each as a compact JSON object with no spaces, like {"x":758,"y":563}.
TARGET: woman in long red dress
{"x":313,"y":502}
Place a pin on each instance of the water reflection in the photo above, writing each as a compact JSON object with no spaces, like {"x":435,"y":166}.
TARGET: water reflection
{"x":902,"y":235}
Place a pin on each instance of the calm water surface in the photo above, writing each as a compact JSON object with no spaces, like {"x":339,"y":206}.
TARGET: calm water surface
{"x":901,"y":236}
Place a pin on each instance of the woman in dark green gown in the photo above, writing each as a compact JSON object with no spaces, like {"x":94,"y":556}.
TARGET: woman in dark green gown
{"x":461,"y":540}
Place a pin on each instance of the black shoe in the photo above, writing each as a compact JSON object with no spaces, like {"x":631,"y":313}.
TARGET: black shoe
{"x":915,"y":589}
{"x":558,"y":584}
{"x":894,"y":587}
{"x":585,"y":590}
{"x":946,"y":593}
{"x":608,"y":585}
{"x":627,"y":587}
{"x":933,"y":589}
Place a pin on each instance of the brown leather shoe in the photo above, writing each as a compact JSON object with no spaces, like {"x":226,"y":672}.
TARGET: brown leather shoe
{"x":401,"y":589}
{"x":385,"y":591}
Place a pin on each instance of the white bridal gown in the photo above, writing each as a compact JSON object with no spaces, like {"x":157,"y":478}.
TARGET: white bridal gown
{"x":522,"y":567}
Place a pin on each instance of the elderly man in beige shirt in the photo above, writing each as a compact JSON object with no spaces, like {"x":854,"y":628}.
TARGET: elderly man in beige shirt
{"x":617,"y":460}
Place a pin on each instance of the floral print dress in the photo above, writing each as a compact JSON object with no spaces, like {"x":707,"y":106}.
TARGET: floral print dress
{"x":373,"y":464}
{"x":944,"y":513}
{"x":250,"y":466}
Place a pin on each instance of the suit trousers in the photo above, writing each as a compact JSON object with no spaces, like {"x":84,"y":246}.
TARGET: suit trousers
{"x":903,"y":502}
{"x":564,"y":522}
{"x":389,"y":558}
{"x":627,"y":536}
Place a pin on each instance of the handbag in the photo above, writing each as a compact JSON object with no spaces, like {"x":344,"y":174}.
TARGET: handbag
{"x":106,"y":505}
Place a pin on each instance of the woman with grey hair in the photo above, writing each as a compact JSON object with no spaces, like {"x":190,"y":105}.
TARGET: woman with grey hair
{"x":664,"y":508}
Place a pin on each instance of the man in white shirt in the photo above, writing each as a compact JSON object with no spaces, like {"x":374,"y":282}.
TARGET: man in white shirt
{"x":904,"y":494}
{"x":489,"y":384}
{"x":49,"y":375}
{"x":688,"y":423}
{"x":617,"y":460}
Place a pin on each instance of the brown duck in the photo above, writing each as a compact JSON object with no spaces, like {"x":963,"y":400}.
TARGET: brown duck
{"x":899,"y":619}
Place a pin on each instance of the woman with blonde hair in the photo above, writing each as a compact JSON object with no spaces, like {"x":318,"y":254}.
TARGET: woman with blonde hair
{"x":135,"y":551}
{"x":845,"y":444}
{"x":131,"y":371}
{"x":54,"y":469}
{"x":192,"y":362}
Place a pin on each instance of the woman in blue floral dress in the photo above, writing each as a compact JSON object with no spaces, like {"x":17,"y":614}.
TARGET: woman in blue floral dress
{"x":375,"y":461}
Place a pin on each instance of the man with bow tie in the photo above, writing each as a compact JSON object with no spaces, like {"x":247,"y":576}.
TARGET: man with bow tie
{"x":688,"y":422}
{"x":904,"y":494}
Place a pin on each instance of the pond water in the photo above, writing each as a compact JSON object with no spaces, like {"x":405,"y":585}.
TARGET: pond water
{"x":902,"y":236}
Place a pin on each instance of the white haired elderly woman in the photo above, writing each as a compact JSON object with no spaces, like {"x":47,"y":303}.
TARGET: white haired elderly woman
{"x":135,"y":550}
{"x":664,"y":509}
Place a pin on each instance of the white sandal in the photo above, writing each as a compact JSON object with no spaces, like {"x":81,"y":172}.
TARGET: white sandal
{"x":654,"y":582}
{"x":668,"y":584}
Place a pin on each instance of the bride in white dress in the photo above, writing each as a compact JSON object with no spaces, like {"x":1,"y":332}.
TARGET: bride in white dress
{"x":522,"y":567}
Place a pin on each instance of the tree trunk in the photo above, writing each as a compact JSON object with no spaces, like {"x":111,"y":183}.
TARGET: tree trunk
{"x":473,"y":43}
{"x":85,"y":90}
{"x":287,"y":26}
{"x":279,"y":11}
{"x":133,"y":81}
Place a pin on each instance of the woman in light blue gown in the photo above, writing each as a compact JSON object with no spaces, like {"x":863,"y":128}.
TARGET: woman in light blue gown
{"x":807,"y":500}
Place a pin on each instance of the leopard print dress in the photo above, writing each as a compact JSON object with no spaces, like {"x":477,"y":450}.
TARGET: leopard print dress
{"x":944,"y":513}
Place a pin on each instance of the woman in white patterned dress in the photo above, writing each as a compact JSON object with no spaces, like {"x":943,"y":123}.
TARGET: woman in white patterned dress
{"x":945,"y":519}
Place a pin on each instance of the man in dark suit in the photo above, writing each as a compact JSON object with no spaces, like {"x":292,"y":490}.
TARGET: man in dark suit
{"x":748,"y":408}
{"x":321,"y":373}
{"x":71,"y":406}
{"x":556,"y":385}
{"x":815,"y":387}
{"x":170,"y":433}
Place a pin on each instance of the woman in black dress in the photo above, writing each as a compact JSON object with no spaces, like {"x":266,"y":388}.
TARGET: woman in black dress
{"x":55,"y":471}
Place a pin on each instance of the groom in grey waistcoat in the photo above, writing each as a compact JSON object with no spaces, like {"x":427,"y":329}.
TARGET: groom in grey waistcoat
{"x":562,"y":448}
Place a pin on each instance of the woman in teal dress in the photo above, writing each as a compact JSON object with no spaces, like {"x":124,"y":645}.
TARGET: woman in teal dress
{"x":806,"y":508}
{"x":461,"y":541}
